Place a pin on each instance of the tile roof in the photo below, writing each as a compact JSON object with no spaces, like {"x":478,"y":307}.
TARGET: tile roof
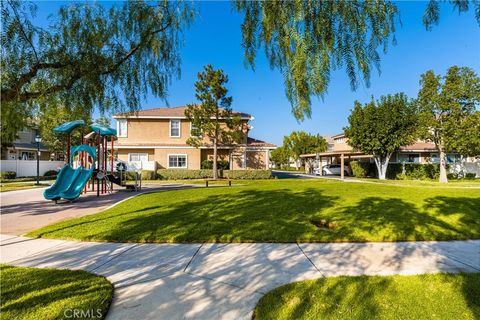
{"x":420,"y":146}
{"x":251,"y":142}
{"x":167,"y":112}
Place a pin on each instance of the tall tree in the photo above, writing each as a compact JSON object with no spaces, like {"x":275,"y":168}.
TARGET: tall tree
{"x":301,"y":142}
{"x":88,"y":55}
{"x":307,"y":40}
{"x":449,"y":108}
{"x":55,"y":115}
{"x":213,"y":117}
{"x":280,"y":157}
{"x":381,"y":127}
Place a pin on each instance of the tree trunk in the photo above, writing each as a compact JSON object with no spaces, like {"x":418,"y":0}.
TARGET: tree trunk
{"x":443,"y":166}
{"x":382,"y":165}
{"x":215,"y":173}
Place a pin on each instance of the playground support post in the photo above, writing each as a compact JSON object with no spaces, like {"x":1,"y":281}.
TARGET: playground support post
{"x":98,"y":162}
{"x":68,"y":148}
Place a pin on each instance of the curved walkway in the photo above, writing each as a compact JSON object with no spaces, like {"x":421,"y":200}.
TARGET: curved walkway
{"x":225,"y":281}
{"x":27,"y":210}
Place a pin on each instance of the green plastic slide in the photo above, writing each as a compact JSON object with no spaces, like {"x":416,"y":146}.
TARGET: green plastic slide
{"x":64,"y":179}
{"x":77,"y":185}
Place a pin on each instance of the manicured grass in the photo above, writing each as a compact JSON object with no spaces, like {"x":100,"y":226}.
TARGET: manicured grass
{"x":428,"y":183}
{"x":29,"y":293}
{"x":282,"y":211}
{"x":438,"y":296}
{"x":13,"y":186}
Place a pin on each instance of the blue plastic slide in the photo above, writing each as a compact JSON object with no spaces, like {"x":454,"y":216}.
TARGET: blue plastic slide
{"x":64,"y":179}
{"x":77,"y":185}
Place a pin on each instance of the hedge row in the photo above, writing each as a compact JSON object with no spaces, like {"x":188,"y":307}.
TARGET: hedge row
{"x":400,"y":171}
{"x":8,"y":175}
{"x":221,"y":164}
{"x":26,"y":179}
{"x":179,"y":174}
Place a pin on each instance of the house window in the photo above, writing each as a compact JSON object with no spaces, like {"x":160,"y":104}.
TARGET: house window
{"x":175,"y":128}
{"x":177,"y":161}
{"x":122,"y":128}
{"x":194,"y":131}
{"x":137,"y":157}
{"x":409,"y":157}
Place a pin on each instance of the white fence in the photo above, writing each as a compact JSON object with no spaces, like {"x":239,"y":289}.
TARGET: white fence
{"x":142,"y":165}
{"x":26,"y":168}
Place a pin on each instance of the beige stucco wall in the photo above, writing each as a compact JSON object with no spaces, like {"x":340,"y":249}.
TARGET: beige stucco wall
{"x":256,"y":160}
{"x":158,"y":131}
{"x":223,"y":154}
{"x":193,"y":157}
{"x":122,"y":154}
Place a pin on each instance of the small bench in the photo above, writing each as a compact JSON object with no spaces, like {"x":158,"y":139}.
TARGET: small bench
{"x":226,"y":180}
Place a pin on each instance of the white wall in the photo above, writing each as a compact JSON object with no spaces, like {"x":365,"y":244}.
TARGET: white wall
{"x":25,"y":168}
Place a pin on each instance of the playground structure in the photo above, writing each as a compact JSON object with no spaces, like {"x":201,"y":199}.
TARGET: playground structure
{"x":91,"y":165}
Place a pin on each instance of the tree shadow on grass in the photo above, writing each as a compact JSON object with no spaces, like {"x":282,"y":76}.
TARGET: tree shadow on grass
{"x":245,"y":216}
{"x":393,"y":219}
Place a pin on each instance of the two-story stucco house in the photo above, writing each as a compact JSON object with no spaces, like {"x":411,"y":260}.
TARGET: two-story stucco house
{"x":161,"y":135}
{"x":25,"y":147}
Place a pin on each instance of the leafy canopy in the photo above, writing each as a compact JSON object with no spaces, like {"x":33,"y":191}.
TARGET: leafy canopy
{"x":213,"y":116}
{"x":301,"y":142}
{"x":280,"y":156}
{"x":449,"y":108}
{"x":381,"y":127}
{"x":88,"y":55}
{"x":307,"y":40}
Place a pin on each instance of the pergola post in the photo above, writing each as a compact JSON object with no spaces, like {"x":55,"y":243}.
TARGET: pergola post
{"x":342,"y":166}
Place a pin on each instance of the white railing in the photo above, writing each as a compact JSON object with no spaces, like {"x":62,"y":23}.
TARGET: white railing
{"x":28,"y":168}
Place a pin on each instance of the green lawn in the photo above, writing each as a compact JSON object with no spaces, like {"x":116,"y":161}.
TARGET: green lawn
{"x":29,"y":293}
{"x":438,"y":296}
{"x":282,"y":211}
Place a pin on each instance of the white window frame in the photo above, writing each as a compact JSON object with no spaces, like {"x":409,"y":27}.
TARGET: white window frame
{"x":177,"y":155}
{"x":137,"y":153}
{"x":179,"y":128}
{"x":191,"y":135}
{"x":120,"y":133}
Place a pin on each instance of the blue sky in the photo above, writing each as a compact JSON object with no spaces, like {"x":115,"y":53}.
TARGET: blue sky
{"x":215,"y":38}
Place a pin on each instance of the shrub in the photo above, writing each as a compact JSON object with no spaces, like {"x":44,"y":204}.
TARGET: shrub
{"x":148,"y":175}
{"x":415,"y":171}
{"x":179,"y":174}
{"x":207,"y":164}
{"x":452,"y":176}
{"x":248,"y":174}
{"x":8,"y":174}
{"x":470,"y":176}
{"x":395,"y":171}
{"x":360,"y":169}
{"x":50,"y":173}
{"x":221,"y":164}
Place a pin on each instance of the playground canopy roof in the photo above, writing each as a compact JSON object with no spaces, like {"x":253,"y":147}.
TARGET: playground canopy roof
{"x":104,"y":131}
{"x":68,"y":127}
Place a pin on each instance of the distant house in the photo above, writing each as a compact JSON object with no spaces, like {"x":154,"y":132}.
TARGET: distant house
{"x":418,"y":152}
{"x":25,"y":147}
{"x":160,"y":135}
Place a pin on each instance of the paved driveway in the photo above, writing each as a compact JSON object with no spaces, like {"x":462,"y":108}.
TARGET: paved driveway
{"x":26,"y":210}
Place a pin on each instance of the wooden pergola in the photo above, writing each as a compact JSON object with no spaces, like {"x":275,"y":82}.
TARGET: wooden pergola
{"x":342,"y":154}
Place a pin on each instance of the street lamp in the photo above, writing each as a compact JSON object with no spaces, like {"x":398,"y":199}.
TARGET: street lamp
{"x":38,"y":139}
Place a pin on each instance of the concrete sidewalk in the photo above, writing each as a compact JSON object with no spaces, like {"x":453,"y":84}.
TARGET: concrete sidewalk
{"x":225,"y":281}
{"x":26,"y":210}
